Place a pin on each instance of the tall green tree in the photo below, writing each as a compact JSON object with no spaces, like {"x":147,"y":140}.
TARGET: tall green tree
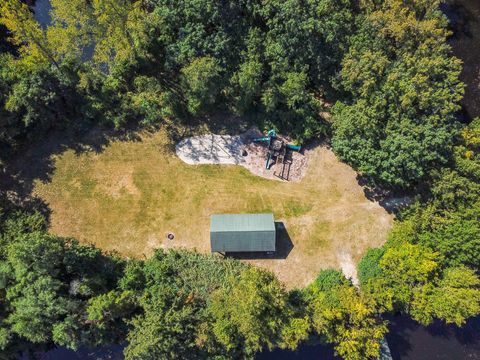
{"x":409,"y":278}
{"x":118,"y":31}
{"x":32,"y":40}
{"x":403,"y":88}
{"x":168,"y":329}
{"x":456,"y":296}
{"x":448,"y":220}
{"x":70,"y":31}
{"x":46,"y":282}
{"x":201,"y":84}
{"x":249,"y":314}
{"x":344,"y":316}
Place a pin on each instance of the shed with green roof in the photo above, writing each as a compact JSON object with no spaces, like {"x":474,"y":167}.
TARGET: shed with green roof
{"x":242,"y":233}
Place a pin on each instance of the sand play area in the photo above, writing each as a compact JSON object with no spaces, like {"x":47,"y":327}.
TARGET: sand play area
{"x":241,"y":150}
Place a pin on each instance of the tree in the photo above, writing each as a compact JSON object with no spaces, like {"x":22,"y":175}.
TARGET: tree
{"x":168,"y":329}
{"x":407,"y":277}
{"x":108,"y":313}
{"x":454,"y":235}
{"x":118,"y":30}
{"x":326,"y":281}
{"x":296,"y":331}
{"x":405,"y":268}
{"x":70,"y":31}
{"x":36,"y":307}
{"x":348,"y":319}
{"x":69,"y":332}
{"x":446,"y":219}
{"x":457,"y":296}
{"x":369,"y":265}
{"x":250,"y":313}
{"x":44,"y":99}
{"x":308,"y":36}
{"x":36,"y":295}
{"x":301,"y":55}
{"x":172,"y":290}
{"x":47,"y":282}
{"x":153,"y":102}
{"x":201,"y":84}
{"x":398,"y":121}
{"x":27,"y":33}
{"x":246,"y":82}
{"x":19,"y":223}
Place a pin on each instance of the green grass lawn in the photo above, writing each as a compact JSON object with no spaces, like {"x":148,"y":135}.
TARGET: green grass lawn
{"x":127,"y":197}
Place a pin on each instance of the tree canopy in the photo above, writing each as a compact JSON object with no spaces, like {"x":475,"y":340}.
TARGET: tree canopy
{"x":404,"y":90}
{"x":376,"y":77}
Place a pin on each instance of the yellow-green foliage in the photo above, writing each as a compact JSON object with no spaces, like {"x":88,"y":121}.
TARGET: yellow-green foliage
{"x":349,"y":320}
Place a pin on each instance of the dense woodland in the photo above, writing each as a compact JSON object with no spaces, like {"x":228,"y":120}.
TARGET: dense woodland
{"x":376,"y":77}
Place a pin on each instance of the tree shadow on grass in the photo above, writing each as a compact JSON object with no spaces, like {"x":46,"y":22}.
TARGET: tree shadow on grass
{"x":284,"y":246}
{"x":35,"y":160}
{"x":393,"y":202}
{"x":222,"y":123}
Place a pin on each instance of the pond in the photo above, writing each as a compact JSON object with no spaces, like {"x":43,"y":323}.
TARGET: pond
{"x":42,"y":12}
{"x":410,"y":341}
{"x":407,"y":340}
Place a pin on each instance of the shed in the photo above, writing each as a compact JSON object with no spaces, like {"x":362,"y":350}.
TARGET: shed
{"x":242,"y":233}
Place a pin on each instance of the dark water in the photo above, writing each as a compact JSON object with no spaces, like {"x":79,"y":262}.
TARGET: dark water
{"x":113,"y":352}
{"x":410,"y":341}
{"x":42,"y":12}
{"x":407,"y":340}
{"x":304,"y":352}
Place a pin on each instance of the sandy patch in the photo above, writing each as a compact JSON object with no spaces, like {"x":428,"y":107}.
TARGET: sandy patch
{"x":241,"y":150}
{"x":348,"y":267}
{"x":211,"y":149}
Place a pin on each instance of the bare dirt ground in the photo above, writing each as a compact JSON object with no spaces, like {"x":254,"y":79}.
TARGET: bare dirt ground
{"x":240,"y":150}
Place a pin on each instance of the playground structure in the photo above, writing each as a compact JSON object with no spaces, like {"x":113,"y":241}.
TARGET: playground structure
{"x":285,"y":162}
{"x":279,"y":152}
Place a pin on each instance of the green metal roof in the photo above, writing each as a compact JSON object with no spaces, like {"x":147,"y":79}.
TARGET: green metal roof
{"x":242,"y":232}
{"x":242,"y":222}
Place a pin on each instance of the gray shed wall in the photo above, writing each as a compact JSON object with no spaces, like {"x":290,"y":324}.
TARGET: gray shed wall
{"x":244,"y":241}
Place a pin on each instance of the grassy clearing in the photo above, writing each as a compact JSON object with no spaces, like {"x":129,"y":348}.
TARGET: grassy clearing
{"x":127,"y":197}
